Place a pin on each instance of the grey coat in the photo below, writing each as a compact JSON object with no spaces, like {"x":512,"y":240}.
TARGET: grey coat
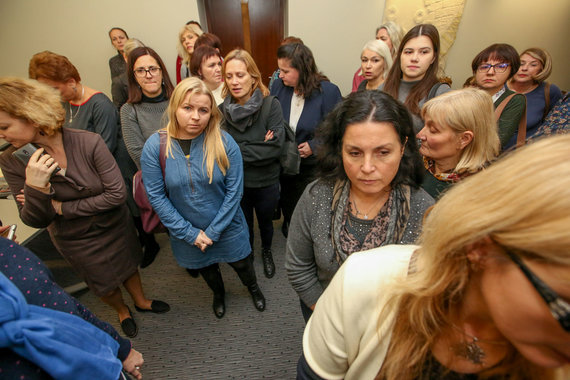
{"x":310,"y":259}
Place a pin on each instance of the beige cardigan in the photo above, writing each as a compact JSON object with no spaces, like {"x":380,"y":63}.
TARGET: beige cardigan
{"x":344,"y":338}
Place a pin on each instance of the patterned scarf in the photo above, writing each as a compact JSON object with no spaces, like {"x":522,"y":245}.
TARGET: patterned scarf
{"x":387,"y":228}
{"x":444,"y":177}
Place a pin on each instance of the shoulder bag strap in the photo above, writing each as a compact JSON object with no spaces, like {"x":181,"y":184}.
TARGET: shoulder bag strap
{"x":162,"y":153}
{"x":501,"y":106}
{"x":521,"y":135}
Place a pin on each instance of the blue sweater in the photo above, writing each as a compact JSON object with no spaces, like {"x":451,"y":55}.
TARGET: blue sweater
{"x":194,"y":204}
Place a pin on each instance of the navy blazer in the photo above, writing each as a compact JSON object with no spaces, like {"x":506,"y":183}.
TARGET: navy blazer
{"x":317,"y":106}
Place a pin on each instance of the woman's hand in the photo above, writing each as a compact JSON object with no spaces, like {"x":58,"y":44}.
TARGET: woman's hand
{"x":203,"y":241}
{"x":40,"y":169}
{"x":56,"y":206}
{"x":304,"y":149}
{"x":268,"y":136}
{"x":133,"y":363}
{"x":21,"y":198}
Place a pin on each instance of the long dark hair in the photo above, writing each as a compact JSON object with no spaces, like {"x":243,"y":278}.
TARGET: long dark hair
{"x":303,"y":61}
{"x":359,"y":107}
{"x":421,"y":89}
{"x":135,"y":92}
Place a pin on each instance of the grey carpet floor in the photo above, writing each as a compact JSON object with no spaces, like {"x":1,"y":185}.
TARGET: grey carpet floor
{"x":189,"y":342}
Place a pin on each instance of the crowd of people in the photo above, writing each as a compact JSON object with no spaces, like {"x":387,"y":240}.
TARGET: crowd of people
{"x":401,"y":160}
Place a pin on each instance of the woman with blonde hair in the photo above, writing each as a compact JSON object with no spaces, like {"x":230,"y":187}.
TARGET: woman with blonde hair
{"x":186,"y":39}
{"x":197,"y":195}
{"x":255,"y":121}
{"x":376,"y":62}
{"x":82,"y":205}
{"x":485,"y":298}
{"x":391,"y":34}
{"x":530,"y":80}
{"x":459,"y":137}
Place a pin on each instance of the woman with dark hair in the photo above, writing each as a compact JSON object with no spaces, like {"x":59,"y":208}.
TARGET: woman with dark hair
{"x":83,"y":205}
{"x":117,"y":63}
{"x":530,"y":80}
{"x":413,"y":78}
{"x":209,"y":39}
{"x":484,"y":295}
{"x":197,"y":196}
{"x":149,"y":91}
{"x":120,"y":83}
{"x":206,"y":64}
{"x":367,"y":194}
{"x":306,"y":96}
{"x":256,"y":123}
{"x":492,"y":68}
{"x":143,"y":114}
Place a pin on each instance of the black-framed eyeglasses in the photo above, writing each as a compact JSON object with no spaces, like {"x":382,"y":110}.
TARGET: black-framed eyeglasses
{"x":499,"y":67}
{"x":141,"y":71}
{"x":559,"y":308}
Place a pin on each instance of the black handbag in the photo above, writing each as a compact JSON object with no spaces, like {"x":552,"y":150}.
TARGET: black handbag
{"x":290,"y":159}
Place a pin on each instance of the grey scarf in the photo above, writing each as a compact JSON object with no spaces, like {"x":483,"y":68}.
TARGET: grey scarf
{"x":240,"y":117}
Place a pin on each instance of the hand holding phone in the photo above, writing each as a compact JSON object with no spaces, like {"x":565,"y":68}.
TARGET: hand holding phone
{"x":40,"y":165}
{"x":26,"y":152}
{"x":9,"y":232}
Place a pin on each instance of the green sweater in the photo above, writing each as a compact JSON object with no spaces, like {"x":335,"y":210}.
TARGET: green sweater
{"x":511,"y":116}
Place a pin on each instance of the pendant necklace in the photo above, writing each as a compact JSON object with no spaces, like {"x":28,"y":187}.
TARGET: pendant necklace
{"x":365,"y":215}
{"x":78,"y":108}
{"x":471,"y":350}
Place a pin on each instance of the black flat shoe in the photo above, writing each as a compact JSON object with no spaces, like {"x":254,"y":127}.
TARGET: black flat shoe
{"x":219,"y":306}
{"x":129,"y":326}
{"x":257,"y":297}
{"x":268,"y":265}
{"x":149,"y":253}
{"x":157,"y":307}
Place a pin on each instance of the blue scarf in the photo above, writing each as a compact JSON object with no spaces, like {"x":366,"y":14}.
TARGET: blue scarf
{"x":63,"y":345}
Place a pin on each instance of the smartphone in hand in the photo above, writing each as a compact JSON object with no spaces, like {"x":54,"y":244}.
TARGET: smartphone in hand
{"x":10,"y":232}
{"x":24,"y":153}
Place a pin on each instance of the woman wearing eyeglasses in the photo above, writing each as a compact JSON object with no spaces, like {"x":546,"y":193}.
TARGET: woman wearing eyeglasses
{"x":149,"y":91}
{"x":492,"y":68}
{"x":487,"y":298}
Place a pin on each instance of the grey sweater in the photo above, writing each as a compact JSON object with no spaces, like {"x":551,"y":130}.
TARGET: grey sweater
{"x":404,"y":91}
{"x":139,"y":122}
{"x":310,"y":261}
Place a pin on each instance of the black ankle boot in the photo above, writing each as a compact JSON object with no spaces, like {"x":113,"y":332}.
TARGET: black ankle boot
{"x":268,"y":265}
{"x":257,"y":297}
{"x":150,"y":250}
{"x":219,"y":305}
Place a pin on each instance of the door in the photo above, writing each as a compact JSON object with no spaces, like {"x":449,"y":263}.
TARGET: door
{"x":226,"y":19}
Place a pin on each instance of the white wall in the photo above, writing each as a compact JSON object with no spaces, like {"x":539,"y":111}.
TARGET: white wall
{"x":335,"y":30}
{"x":78,"y":29}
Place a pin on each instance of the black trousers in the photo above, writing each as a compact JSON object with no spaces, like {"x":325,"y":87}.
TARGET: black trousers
{"x":262,"y":200}
{"x":292,"y":188}
{"x":213,"y":277}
